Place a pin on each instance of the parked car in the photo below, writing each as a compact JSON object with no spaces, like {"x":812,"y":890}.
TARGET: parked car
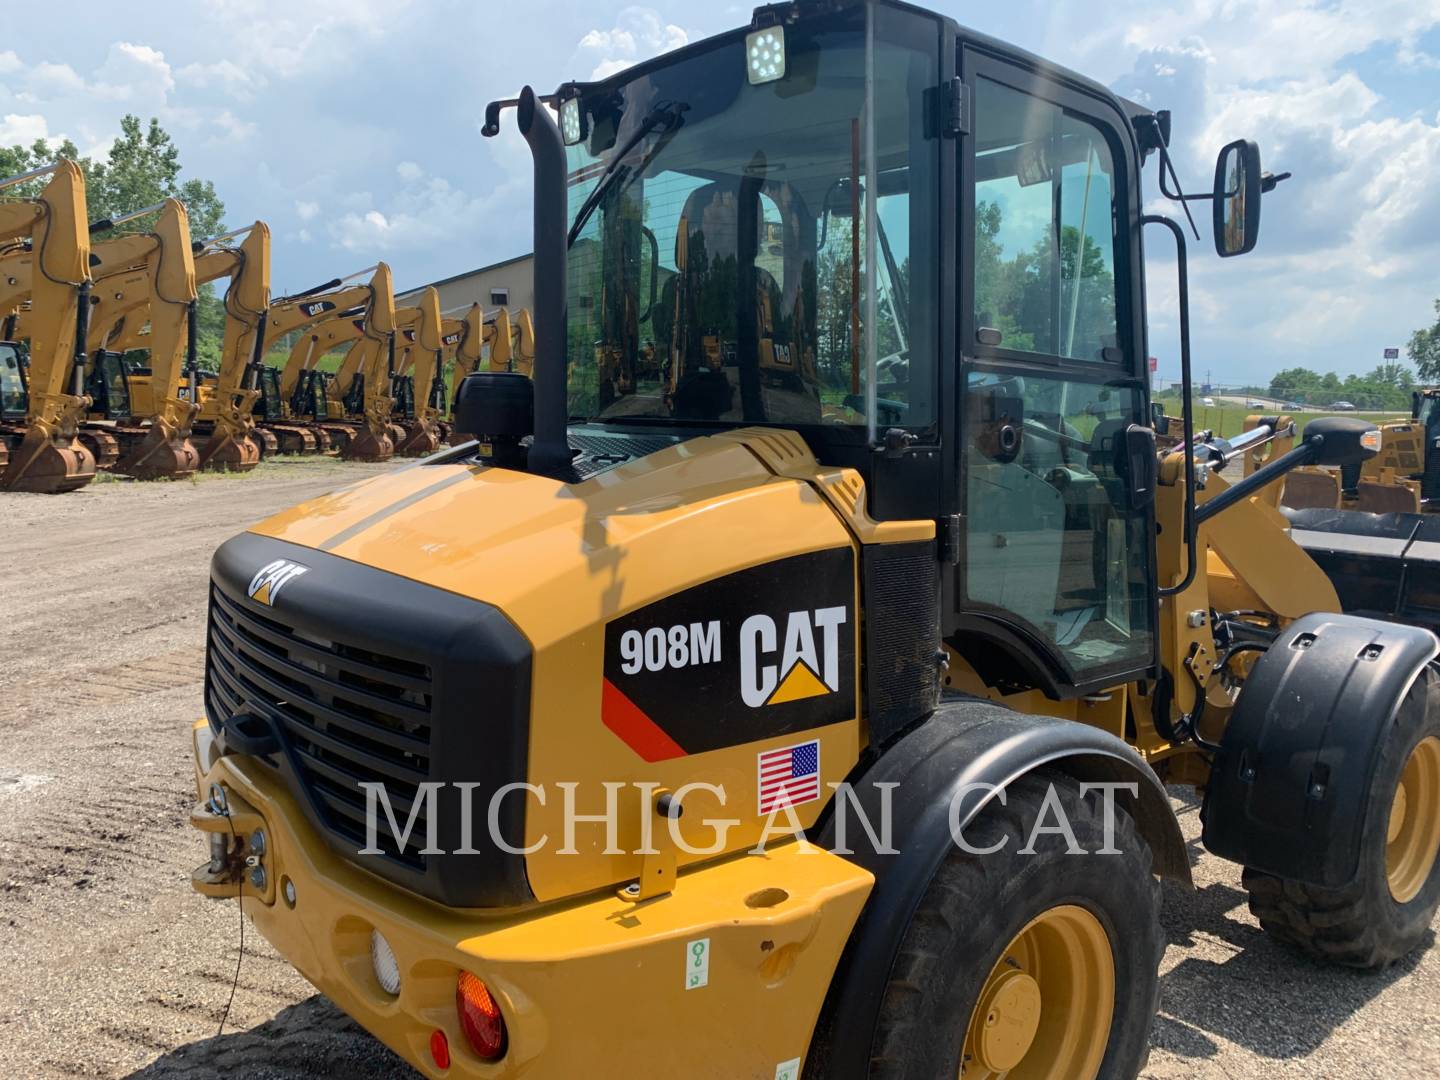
{"x":1342,"y":406}
{"x":1292,"y":406}
{"x":1253,"y":404}
{"x":1208,"y":402}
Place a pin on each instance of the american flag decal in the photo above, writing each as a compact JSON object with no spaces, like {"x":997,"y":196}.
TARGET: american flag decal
{"x":789,"y":775}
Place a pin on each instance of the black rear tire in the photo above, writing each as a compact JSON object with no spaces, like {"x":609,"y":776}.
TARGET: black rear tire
{"x":977,"y":904}
{"x":1361,"y":925}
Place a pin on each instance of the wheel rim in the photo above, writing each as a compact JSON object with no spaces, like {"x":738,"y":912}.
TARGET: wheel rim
{"x":1046,"y":1007}
{"x":1413,"y":837}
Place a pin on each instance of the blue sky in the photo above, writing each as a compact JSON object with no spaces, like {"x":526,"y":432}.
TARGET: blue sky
{"x":352,"y":127}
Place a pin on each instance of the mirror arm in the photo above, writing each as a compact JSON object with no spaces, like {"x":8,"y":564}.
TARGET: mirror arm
{"x":1269,"y":180}
{"x":1178,"y":195}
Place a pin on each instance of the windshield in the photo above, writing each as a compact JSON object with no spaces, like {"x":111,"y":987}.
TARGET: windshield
{"x":12,"y":385}
{"x":719,"y":259}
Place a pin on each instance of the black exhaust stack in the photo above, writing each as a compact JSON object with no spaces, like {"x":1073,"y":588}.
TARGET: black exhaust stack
{"x":550,"y":453}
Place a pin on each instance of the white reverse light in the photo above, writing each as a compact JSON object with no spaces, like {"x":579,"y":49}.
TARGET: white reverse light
{"x":387,"y":968}
{"x":765,"y":55}
{"x":572,"y":121}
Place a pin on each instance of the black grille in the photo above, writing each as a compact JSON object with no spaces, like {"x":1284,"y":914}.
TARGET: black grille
{"x":365,"y":676}
{"x":346,"y":717}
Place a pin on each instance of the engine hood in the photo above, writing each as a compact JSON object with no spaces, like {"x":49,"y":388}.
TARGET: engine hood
{"x":537,"y":548}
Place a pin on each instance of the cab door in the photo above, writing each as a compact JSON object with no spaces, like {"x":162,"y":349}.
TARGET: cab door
{"x":1055,"y":587}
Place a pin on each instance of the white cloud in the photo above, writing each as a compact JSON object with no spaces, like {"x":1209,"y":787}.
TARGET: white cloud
{"x":409,"y":171}
{"x":424,"y":214}
{"x":638,"y":33}
{"x":9,"y":62}
{"x":22,"y":130}
{"x":224,"y":75}
{"x":305,"y":211}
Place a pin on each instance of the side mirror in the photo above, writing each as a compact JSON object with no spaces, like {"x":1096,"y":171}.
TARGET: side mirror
{"x":1236,"y":198}
{"x":1342,"y":440}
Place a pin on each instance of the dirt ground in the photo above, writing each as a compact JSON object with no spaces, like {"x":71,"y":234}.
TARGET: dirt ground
{"x":110,"y":966}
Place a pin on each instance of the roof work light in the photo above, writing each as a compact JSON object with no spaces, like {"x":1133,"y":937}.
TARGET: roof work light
{"x":765,"y":55}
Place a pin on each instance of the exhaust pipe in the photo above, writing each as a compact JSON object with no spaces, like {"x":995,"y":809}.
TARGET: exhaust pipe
{"x":550,"y":453}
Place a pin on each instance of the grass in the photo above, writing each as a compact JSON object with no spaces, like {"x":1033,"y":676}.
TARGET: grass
{"x":1229,"y":420}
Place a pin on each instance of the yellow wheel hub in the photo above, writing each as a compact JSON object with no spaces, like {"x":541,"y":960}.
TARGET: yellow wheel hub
{"x":1045,"y":1010}
{"x":1413,"y":838}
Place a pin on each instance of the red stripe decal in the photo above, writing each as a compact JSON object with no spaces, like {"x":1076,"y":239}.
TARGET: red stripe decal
{"x":636,"y":730}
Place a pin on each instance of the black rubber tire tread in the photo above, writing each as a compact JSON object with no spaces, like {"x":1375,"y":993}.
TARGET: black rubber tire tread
{"x":976,"y":904}
{"x":1360,"y":925}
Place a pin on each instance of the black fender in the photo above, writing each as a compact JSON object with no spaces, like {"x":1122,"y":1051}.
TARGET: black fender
{"x":964,"y":753}
{"x":1290,"y":787}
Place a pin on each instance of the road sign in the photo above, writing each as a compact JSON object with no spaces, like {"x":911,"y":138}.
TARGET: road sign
{"x":1154,"y":364}
{"x":1391,"y":354}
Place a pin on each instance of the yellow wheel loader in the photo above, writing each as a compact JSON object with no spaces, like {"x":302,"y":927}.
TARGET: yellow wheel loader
{"x":696,"y":722}
{"x":43,"y":453}
{"x":1404,"y":477}
{"x":226,"y":421}
{"x":1373,"y":527}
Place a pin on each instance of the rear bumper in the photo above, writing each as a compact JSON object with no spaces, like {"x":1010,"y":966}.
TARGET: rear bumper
{"x":594,"y":987}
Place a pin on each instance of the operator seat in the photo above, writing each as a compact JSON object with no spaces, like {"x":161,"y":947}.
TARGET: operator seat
{"x":699,"y":314}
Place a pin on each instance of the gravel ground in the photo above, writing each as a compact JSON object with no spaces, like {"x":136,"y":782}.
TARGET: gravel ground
{"x":113,"y":967}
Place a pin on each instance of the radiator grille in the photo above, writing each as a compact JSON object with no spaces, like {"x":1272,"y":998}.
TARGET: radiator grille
{"x":346,"y":717}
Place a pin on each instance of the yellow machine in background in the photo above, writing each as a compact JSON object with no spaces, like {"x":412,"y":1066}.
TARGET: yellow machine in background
{"x":227,"y":418}
{"x":44,"y":453}
{"x":145,"y":278}
{"x":1405,"y":476}
{"x":425,"y":391}
{"x":369,"y":367}
{"x":286,"y":316}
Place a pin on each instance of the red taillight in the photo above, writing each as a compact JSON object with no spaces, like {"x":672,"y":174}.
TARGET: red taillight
{"x":440,"y":1049}
{"x":480,"y":1017}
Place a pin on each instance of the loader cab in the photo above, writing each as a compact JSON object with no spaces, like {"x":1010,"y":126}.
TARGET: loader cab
{"x":919,"y":249}
{"x":14,"y":393}
{"x":108,"y":384}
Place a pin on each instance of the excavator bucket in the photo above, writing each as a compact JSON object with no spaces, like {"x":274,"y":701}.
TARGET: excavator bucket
{"x":50,"y":463}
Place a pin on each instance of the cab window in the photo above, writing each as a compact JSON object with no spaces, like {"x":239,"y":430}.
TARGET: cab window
{"x":1044,"y":228}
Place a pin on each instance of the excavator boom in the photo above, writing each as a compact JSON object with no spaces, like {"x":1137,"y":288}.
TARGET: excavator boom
{"x":47,"y":457}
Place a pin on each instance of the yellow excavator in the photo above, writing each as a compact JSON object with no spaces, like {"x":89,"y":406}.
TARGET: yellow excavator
{"x":145,"y":278}
{"x":335,"y":402}
{"x":419,"y":410}
{"x":296,"y":314}
{"x":227,"y":418}
{"x":44,"y":454}
{"x":862,"y":718}
{"x":313,"y":398}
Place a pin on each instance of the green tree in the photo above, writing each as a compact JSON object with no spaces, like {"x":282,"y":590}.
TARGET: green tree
{"x":1424,"y":350}
{"x":141,"y":169}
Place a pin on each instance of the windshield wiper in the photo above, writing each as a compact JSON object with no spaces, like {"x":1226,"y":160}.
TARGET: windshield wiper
{"x":671,"y":113}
